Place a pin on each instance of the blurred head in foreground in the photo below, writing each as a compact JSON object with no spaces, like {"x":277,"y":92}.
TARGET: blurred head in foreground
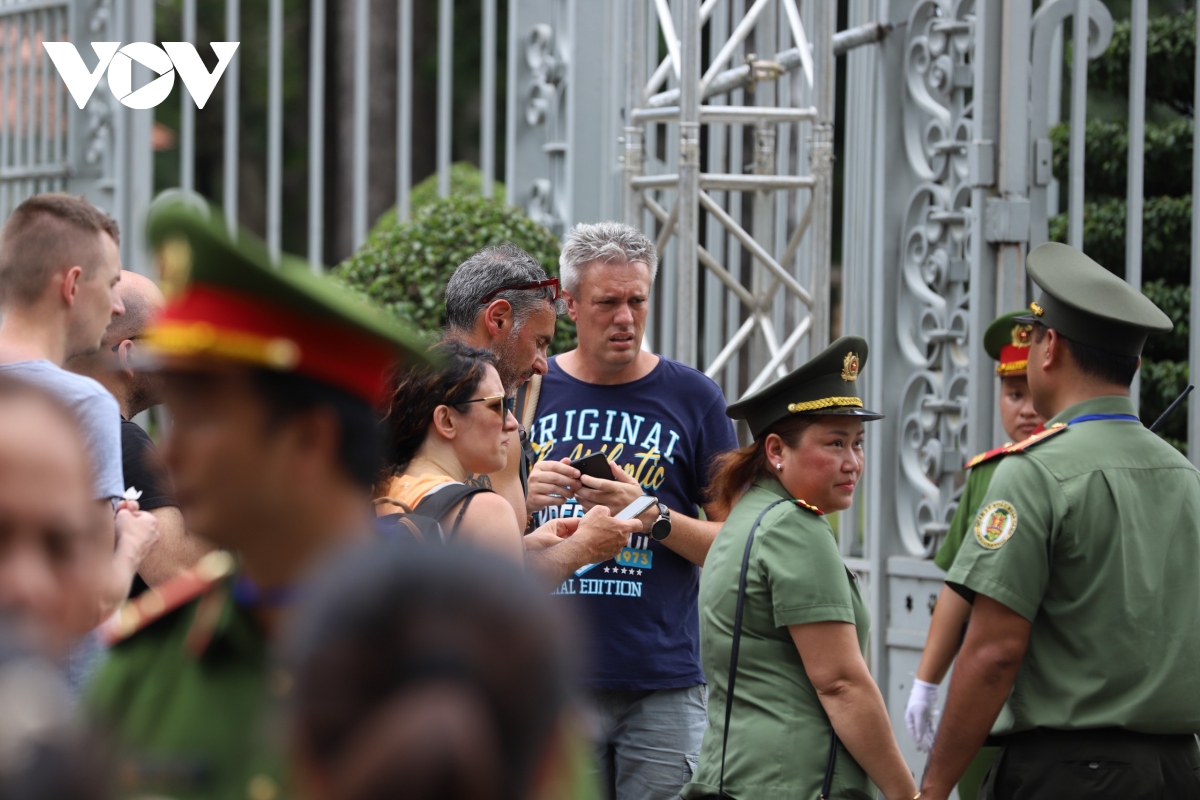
{"x":430,"y":673}
{"x":50,"y":553}
{"x":44,"y":754}
{"x":271,"y":374}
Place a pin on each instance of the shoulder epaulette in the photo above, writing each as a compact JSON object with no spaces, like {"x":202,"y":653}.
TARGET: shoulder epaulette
{"x":810,"y":507}
{"x":1040,"y":436}
{"x":989,"y":455}
{"x":1009,"y":447}
{"x":156,"y":603}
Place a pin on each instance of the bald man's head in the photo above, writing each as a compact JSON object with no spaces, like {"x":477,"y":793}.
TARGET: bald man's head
{"x":143,"y":301}
{"x":116,"y":363}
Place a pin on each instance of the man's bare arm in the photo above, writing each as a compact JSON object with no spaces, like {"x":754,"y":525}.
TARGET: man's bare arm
{"x":987,"y":666}
{"x":175,"y":551}
{"x":689,"y":537}
{"x":589,"y":539}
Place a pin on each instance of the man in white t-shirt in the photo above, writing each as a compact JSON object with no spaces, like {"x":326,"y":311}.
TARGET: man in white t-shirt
{"x":60,"y":262}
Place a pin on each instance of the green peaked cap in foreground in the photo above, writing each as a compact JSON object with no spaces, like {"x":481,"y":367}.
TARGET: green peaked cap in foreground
{"x":827,"y":384}
{"x":1085,"y":302}
{"x":226,"y":301}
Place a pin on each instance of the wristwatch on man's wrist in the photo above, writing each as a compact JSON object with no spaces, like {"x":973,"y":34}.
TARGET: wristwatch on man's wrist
{"x":661,"y":528}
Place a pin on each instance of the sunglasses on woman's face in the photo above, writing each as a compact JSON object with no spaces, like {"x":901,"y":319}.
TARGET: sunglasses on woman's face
{"x":497,"y":402}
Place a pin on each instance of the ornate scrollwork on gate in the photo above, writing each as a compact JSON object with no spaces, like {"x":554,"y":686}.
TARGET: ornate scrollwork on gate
{"x":932,"y":326}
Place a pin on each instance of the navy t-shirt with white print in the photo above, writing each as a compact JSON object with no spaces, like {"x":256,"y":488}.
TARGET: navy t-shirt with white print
{"x":663,"y":429}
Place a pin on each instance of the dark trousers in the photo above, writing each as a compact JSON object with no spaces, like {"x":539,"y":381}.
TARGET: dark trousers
{"x":1095,"y":764}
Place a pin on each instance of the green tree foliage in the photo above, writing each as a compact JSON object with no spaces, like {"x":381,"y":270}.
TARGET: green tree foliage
{"x":1170,"y":61}
{"x":404,"y":266}
{"x":1166,"y":236}
{"x":1167,"y":214}
{"x":1106,"y":150}
{"x":465,"y":179}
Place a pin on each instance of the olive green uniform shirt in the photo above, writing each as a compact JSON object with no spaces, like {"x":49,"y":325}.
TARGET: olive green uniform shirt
{"x":779,"y":733}
{"x":978,"y":479}
{"x":187,"y":700}
{"x":1093,"y":535}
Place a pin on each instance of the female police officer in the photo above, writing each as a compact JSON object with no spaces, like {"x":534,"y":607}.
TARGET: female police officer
{"x":783,"y":627}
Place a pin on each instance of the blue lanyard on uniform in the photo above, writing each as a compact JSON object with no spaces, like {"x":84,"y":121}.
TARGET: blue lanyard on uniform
{"x":248,"y":594}
{"x":1094,"y":417}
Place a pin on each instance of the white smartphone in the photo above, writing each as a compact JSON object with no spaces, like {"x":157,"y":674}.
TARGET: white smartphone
{"x":637,"y":507}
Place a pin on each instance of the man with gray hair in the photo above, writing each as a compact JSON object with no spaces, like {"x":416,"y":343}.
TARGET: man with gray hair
{"x":659,"y":423}
{"x":500,"y":299}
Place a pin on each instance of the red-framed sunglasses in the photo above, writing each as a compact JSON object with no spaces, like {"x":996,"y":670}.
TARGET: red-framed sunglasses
{"x":552,"y":283}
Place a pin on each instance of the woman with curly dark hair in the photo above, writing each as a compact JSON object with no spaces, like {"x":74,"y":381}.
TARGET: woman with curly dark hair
{"x":444,"y":424}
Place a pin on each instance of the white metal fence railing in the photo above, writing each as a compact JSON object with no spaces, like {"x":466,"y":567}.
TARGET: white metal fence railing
{"x":33,"y":144}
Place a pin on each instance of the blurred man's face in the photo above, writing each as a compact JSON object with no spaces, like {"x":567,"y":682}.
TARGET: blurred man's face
{"x":523,"y":352}
{"x":96,"y":299}
{"x":51,"y":558}
{"x":230,"y":467}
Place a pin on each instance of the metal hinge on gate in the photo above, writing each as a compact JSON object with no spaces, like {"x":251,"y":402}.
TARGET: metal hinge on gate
{"x":981,"y":162}
{"x":1043,"y":162}
{"x":1006,"y":220}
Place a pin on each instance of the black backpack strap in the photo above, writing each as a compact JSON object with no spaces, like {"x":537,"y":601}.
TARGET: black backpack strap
{"x":525,"y":410}
{"x":827,"y":782}
{"x":437,"y":505}
{"x":737,"y":639}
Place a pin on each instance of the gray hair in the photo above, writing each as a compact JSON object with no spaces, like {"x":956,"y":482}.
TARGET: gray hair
{"x":610,"y":242}
{"x":488,"y":270}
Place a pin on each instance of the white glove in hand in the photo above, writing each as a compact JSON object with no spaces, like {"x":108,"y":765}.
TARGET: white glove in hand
{"x":921,"y":714}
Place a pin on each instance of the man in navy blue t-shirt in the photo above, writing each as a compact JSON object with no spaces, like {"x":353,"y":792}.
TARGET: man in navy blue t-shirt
{"x":660,"y":423}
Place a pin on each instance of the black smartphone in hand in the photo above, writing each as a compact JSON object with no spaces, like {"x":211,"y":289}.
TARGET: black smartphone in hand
{"x":595,"y":465}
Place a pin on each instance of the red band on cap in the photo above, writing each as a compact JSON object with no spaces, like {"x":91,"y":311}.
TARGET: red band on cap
{"x":218,"y":322}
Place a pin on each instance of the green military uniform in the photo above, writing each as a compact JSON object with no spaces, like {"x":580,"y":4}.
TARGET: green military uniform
{"x":779,"y":734}
{"x":1093,"y":535}
{"x":189,"y":696}
{"x":187,"y":689}
{"x":1006,"y":341}
{"x":978,"y":479}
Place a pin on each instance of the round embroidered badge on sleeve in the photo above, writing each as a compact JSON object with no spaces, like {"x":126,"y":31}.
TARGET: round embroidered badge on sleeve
{"x":996,"y":524}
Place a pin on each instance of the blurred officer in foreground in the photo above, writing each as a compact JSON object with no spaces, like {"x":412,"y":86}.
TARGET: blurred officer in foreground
{"x":1007,"y":341}
{"x":1082,"y":570}
{"x":431,"y":674}
{"x":271,"y":376}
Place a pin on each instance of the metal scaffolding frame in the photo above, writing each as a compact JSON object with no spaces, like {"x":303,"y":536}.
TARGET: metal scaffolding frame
{"x":675,"y":198}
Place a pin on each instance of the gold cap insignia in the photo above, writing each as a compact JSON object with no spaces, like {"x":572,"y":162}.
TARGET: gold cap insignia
{"x":175,"y":265}
{"x":850,"y":367}
{"x":1036,"y":309}
{"x":1021,"y":334}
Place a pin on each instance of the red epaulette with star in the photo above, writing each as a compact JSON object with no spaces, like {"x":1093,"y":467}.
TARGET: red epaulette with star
{"x":1040,"y":436}
{"x":1009,"y":447}
{"x":156,"y":603}
{"x":995,"y":452}
{"x":810,"y":507}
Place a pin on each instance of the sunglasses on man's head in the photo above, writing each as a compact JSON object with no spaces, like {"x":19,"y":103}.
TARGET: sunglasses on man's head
{"x":552,"y":283}
{"x":497,"y":402}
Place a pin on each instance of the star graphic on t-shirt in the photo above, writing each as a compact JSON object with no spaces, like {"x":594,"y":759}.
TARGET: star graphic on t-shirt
{"x":606,"y":569}
{"x":639,"y":572}
{"x":624,"y":572}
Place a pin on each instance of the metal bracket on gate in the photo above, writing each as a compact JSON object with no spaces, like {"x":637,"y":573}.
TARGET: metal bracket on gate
{"x":1006,"y":220}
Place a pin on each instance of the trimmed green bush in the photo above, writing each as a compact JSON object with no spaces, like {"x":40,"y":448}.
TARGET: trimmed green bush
{"x":404,"y":266}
